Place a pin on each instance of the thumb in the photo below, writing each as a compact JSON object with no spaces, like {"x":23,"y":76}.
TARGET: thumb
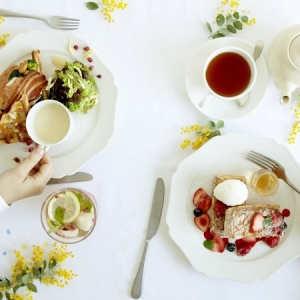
{"x":33,"y":158}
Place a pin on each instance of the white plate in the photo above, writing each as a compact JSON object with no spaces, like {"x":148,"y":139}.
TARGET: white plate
{"x":198,"y":171}
{"x":218,"y":108}
{"x":92,"y":131}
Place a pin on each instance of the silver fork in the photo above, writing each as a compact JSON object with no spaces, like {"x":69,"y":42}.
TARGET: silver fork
{"x":268,"y":163}
{"x":56,"y":22}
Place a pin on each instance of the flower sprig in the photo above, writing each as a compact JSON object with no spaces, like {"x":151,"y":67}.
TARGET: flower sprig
{"x":108,"y":7}
{"x":4,"y":36}
{"x":202,"y":134}
{"x":296,"y":127}
{"x":47,"y":271}
{"x":229,"y":19}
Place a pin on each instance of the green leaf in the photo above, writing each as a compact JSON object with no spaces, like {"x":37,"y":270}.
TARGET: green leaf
{"x":229,"y":18}
{"x":19,"y":279}
{"x":8,"y":296}
{"x":52,"y":263}
{"x":26,"y":278}
{"x":220,"y":19}
{"x":36,"y":273}
{"x":1,"y":296}
{"x":214,"y":133}
{"x":220,"y":124}
{"x":59,"y":215}
{"x":211,"y":125}
{"x":238,"y":25}
{"x":236,"y":15}
{"x":223,"y":31}
{"x":209,"y":27}
{"x":16,"y":287}
{"x":44,"y":266}
{"x":267,"y":223}
{"x":244,"y":19}
{"x":231,"y":29}
{"x":4,"y":283}
{"x":91,"y":5}
{"x":208,"y":244}
{"x":31,"y":287}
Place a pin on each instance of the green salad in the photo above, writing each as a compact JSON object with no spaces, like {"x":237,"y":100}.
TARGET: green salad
{"x":75,"y":87}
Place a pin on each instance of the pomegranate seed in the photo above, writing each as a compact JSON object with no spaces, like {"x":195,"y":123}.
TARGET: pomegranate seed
{"x":17,"y":160}
{"x":76,"y":47}
{"x":86,"y":48}
{"x":30,"y":149}
{"x":28,"y":142}
{"x":89,"y":59}
{"x":91,"y":68}
{"x":99,"y":76}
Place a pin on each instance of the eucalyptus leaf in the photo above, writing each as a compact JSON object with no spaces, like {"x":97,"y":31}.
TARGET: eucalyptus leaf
{"x":36,"y":273}
{"x":220,"y":19}
{"x":231,"y":29}
{"x":238,"y":25}
{"x":220,"y":124}
{"x":8,"y":282}
{"x":236,"y":15}
{"x":31,"y":287}
{"x":214,"y":133}
{"x":229,"y":18}
{"x":209,"y":27}
{"x":8,"y":296}
{"x":16,"y":287}
{"x":19,"y":279}
{"x":92,"y":5}
{"x":224,"y":31}
{"x":211,"y":124}
{"x":52,"y":263}
{"x":26,"y":278}
{"x":4,"y":283}
{"x":44,"y":266}
{"x":244,"y":19}
{"x":1,"y":296}
{"x":217,"y":35}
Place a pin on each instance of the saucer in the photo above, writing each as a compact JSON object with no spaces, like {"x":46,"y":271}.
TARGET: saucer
{"x":218,"y":108}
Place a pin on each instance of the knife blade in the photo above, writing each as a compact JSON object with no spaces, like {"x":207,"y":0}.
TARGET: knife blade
{"x":77,"y":177}
{"x":154,"y":220}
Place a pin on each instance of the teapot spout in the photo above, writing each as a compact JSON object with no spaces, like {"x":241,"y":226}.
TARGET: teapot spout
{"x":285,"y":98}
{"x":286,"y":92}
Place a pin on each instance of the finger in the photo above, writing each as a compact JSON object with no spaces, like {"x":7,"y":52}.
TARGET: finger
{"x":45,"y":171}
{"x":31,"y":161}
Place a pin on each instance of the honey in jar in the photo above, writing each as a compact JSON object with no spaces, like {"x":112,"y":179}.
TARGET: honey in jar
{"x":264,"y":182}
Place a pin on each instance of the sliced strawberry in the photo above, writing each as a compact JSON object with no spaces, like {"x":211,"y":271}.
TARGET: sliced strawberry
{"x":219,"y":244}
{"x":250,"y":240}
{"x":202,"y":222}
{"x":220,"y":208}
{"x":208,"y":235}
{"x":205,"y":204}
{"x":257,"y":223}
{"x":272,"y":241}
{"x":199,"y":195}
{"x":242,"y":247}
{"x":276,"y":217}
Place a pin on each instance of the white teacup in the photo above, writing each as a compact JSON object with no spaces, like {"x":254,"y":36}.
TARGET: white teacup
{"x":229,"y":74}
{"x":49,"y":123}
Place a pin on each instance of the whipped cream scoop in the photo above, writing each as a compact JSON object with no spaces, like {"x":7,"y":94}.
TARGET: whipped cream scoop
{"x":231,"y":192}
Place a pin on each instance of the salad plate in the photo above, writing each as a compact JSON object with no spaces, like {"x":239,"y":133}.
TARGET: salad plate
{"x":218,"y":108}
{"x":92,"y":131}
{"x":198,"y":170}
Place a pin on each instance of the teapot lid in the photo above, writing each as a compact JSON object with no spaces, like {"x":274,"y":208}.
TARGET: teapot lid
{"x":294,"y":51}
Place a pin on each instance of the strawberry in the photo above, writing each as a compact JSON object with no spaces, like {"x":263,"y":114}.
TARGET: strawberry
{"x":242,"y":248}
{"x":220,"y":208}
{"x":276,"y":217}
{"x":219,"y":243}
{"x":202,"y":222}
{"x":208,"y":235}
{"x":205,"y":204}
{"x":199,"y":195}
{"x":256,"y":223}
{"x":272,"y":241}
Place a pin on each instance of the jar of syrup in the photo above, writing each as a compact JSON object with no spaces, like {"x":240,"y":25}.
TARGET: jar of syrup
{"x":264,"y":182}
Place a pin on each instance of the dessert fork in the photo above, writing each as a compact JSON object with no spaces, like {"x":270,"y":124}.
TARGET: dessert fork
{"x":56,"y":22}
{"x":268,"y":163}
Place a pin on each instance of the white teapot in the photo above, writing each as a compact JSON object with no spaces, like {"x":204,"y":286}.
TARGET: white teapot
{"x":284,"y":61}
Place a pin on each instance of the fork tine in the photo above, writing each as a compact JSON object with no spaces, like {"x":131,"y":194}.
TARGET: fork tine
{"x":258,"y":162}
{"x":264,"y":158}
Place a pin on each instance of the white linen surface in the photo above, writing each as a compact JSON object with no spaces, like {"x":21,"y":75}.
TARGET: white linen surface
{"x":147,"y":48}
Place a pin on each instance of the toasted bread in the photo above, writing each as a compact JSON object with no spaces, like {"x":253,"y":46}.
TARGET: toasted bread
{"x":238,"y":221}
{"x":217,"y":223}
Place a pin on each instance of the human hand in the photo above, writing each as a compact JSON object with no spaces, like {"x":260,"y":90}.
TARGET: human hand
{"x":28,"y":178}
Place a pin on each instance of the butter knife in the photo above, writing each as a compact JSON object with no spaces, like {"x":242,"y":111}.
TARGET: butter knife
{"x":77,"y":177}
{"x":154,"y":220}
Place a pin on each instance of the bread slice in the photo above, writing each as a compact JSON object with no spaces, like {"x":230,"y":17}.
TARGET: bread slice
{"x":238,"y":221}
{"x":217,"y":223}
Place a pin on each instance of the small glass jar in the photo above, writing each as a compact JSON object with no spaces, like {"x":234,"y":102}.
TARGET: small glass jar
{"x":264,"y":182}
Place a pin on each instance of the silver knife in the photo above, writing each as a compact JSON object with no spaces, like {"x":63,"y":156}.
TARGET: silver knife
{"x":154,"y":220}
{"x":77,"y":177}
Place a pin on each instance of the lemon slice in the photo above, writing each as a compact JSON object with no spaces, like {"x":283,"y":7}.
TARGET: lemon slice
{"x":68,"y":202}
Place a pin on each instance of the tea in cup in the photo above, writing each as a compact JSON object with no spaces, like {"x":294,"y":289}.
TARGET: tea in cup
{"x":229,"y":74}
{"x":49,"y":123}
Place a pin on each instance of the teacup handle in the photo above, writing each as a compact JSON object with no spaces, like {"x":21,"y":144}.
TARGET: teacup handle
{"x":205,"y":100}
{"x":46,"y":148}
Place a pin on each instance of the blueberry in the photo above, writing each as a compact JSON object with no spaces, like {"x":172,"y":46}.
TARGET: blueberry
{"x":284,"y":226}
{"x":197,"y":212}
{"x":230,"y":247}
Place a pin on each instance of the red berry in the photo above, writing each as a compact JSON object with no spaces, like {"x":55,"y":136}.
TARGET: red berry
{"x":219,"y":245}
{"x":91,"y":68}
{"x":89,"y":59}
{"x":220,"y":208}
{"x":16,"y":159}
{"x":28,"y":141}
{"x":208,"y":235}
{"x":86,"y":48}
{"x":199,"y":195}
{"x":257,"y":222}
{"x":30,"y":149}
{"x":202,"y":222}
{"x":99,"y":76}
{"x":76,"y":47}
{"x":286,"y":213}
{"x":272,"y":241}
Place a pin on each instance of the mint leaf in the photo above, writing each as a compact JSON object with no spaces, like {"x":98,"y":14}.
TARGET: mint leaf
{"x":91,"y":5}
{"x":85,"y":205}
{"x":208,"y":244}
{"x":59,"y":215}
{"x":267,"y":223}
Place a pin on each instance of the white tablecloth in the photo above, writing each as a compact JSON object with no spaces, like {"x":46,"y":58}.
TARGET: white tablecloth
{"x":147,"y":48}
